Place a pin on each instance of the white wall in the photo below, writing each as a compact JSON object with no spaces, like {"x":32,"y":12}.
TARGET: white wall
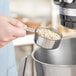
{"x":31,"y":7}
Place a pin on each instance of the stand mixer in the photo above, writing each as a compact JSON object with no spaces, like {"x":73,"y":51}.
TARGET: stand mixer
{"x":60,"y":61}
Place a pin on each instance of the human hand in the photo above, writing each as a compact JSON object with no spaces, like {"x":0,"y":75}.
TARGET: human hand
{"x":10,"y":29}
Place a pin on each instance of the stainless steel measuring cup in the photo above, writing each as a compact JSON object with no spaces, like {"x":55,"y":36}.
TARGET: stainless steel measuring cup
{"x":43,"y":41}
{"x":46,"y":42}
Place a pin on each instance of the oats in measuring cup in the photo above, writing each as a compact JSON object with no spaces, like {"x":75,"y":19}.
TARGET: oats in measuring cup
{"x":48,"y":33}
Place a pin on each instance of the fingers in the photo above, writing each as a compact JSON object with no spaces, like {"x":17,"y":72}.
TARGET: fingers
{"x":19,"y":28}
{"x":16,"y":32}
{"x":19,"y":32}
{"x":16,"y":23}
{"x":10,"y":34}
{"x":14,"y":35}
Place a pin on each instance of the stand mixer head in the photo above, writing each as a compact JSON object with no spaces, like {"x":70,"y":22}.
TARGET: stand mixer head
{"x":67,"y":13}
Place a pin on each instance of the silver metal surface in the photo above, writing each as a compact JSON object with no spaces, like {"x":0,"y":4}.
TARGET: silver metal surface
{"x":60,"y":1}
{"x":45,"y":42}
{"x":57,"y":1}
{"x":68,"y":1}
{"x":58,"y":62}
{"x":29,"y":29}
{"x":67,"y":11}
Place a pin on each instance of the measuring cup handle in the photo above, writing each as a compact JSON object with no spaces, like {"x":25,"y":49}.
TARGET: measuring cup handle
{"x":22,"y":66}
